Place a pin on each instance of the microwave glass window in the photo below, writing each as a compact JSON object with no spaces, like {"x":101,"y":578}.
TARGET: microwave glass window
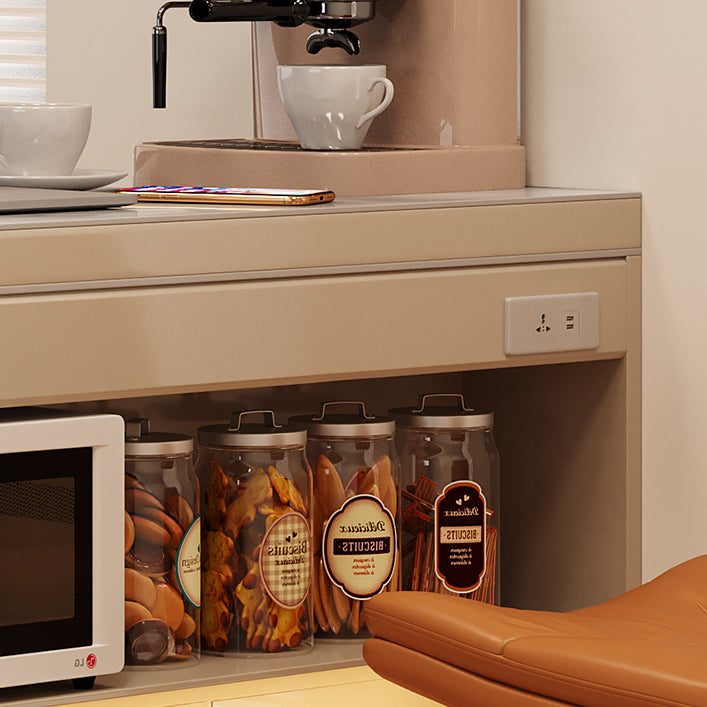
{"x":37,"y":522}
{"x":45,"y":538}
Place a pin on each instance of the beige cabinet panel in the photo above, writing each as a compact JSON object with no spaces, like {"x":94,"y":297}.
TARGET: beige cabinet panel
{"x":143,"y":341}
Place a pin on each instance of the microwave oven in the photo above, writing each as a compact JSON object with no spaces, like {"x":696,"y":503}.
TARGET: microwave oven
{"x":61,"y":546}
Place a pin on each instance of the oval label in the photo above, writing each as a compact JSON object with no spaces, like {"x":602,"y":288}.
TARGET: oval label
{"x":189,"y":564}
{"x":360,"y":545}
{"x":285,"y":560}
{"x":460,"y":536}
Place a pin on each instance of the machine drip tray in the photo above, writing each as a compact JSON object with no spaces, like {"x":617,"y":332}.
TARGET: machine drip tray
{"x":278,"y":145}
{"x":371,"y":171}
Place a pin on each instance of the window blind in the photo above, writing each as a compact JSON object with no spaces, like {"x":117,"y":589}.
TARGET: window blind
{"x":23,"y":50}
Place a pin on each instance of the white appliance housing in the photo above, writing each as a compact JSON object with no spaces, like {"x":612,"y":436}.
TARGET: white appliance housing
{"x":62,"y":529}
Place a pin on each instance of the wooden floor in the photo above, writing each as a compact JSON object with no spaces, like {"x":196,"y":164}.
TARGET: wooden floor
{"x":347,"y":687}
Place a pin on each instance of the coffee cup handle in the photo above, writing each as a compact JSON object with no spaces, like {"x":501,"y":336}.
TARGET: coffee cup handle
{"x":387,"y":98}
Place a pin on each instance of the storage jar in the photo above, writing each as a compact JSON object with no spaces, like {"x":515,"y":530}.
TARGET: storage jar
{"x":162,"y":548}
{"x":356,"y":499}
{"x":257,"y":558}
{"x":450,"y":498}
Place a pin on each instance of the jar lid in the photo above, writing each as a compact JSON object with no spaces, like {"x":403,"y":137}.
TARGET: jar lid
{"x":339,"y":424}
{"x":443,"y":417}
{"x":140,"y":442}
{"x":251,"y":434}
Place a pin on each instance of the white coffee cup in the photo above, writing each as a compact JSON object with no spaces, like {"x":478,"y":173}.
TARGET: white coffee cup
{"x":42,"y":139}
{"x":332,"y":106}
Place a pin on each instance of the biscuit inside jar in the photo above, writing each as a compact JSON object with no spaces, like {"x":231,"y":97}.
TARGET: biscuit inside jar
{"x":237,"y":611}
{"x":158,"y":627}
{"x":334,"y":611}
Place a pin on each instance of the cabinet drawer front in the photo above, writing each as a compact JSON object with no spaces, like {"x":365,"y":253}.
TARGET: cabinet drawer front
{"x":302,"y":240}
{"x":116,"y":343}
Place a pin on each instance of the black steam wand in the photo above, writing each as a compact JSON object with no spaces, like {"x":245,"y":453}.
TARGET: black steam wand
{"x":159,"y":55}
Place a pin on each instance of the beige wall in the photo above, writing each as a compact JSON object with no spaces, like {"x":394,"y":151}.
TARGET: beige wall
{"x":99,"y":52}
{"x":614,"y":96}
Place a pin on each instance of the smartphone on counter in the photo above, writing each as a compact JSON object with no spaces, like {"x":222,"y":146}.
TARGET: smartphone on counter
{"x":231,"y":195}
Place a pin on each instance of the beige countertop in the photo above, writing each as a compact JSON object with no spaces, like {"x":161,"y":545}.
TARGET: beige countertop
{"x":151,"y":213}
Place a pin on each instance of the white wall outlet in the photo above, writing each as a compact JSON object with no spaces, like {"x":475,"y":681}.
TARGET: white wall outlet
{"x":548,"y":323}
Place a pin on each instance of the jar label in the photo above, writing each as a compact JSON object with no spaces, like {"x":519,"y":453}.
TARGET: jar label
{"x":360,"y":546}
{"x":285,"y":560}
{"x":460,"y":534}
{"x":188,"y":563}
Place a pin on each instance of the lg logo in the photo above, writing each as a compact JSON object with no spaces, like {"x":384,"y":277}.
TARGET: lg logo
{"x":88,"y":662}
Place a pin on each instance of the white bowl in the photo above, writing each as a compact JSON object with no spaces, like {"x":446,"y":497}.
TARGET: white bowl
{"x":44,"y":139}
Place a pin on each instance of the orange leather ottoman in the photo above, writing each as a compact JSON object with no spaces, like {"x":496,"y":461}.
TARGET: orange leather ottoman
{"x":645,"y":647}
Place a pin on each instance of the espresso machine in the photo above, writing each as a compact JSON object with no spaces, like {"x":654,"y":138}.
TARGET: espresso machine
{"x":333,"y":22}
{"x":452,"y":126}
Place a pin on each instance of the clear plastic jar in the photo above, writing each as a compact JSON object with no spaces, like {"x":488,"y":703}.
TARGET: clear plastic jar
{"x":356,"y":498}
{"x":257,"y":556}
{"x":162,"y":548}
{"x":450,"y":499}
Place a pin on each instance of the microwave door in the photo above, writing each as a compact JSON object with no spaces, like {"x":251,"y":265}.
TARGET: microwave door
{"x":46,"y":550}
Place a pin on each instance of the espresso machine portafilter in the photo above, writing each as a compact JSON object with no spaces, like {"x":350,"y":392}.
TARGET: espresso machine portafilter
{"x":332,"y":22}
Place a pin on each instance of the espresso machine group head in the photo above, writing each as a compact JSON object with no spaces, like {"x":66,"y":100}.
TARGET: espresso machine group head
{"x":332,"y":22}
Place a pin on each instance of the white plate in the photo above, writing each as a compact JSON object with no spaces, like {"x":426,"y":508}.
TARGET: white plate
{"x":81,"y":179}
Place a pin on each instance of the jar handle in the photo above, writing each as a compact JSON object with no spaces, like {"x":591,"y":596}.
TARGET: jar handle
{"x":237,"y":418}
{"x":137,"y":427}
{"x":457,"y":396}
{"x":360,"y":404}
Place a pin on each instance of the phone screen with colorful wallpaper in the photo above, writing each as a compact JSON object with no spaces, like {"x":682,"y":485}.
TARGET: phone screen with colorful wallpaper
{"x":231,"y":195}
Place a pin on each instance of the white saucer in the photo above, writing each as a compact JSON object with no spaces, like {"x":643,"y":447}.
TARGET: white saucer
{"x":81,"y":179}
